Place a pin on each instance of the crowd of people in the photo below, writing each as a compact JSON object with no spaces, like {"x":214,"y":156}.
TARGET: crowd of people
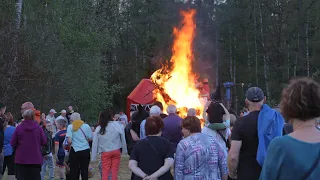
{"x":255,"y":145}
{"x":261,"y":143}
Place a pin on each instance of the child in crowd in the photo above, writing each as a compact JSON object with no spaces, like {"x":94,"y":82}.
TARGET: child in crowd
{"x":47,"y":151}
{"x":59,"y":150}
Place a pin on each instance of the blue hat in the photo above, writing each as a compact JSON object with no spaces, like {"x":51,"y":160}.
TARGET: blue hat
{"x":255,"y":94}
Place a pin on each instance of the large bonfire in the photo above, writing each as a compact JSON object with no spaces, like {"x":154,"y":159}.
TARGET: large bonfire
{"x":176,"y":84}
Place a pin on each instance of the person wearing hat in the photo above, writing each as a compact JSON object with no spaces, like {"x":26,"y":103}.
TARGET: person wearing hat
{"x":63,"y":116}
{"x":248,"y":143}
{"x":51,"y":118}
{"x":242,"y":161}
{"x":154,"y":111}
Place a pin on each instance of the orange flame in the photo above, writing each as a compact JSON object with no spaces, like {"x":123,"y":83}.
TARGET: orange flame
{"x":178,"y":83}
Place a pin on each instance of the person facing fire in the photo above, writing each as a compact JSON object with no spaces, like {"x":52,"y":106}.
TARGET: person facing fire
{"x":192,"y":112}
{"x":213,"y":109}
{"x":159,"y":104}
{"x":172,"y":127}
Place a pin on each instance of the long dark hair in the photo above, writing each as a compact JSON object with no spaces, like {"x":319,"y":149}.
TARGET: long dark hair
{"x":104,"y":118}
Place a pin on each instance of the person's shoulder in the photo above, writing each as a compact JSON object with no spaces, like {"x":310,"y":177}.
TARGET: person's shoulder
{"x":252,"y":116}
{"x":164,"y":119}
{"x":205,"y":136}
{"x":115,"y":124}
{"x":58,"y":133}
{"x":281,"y":142}
{"x":85,"y":125}
{"x":211,"y":139}
{"x":144,"y":121}
{"x":239,"y":122}
{"x":205,"y":130}
{"x":185,"y":142}
{"x":69,"y":128}
{"x":164,"y":140}
{"x":98,"y":128}
{"x":11,"y":128}
{"x":141,"y":142}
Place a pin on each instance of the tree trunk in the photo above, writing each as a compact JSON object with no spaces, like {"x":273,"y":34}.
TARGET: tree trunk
{"x":137,"y":68}
{"x":288,"y":61}
{"x":18,"y":6}
{"x":230,"y":52}
{"x":307,"y":44}
{"x":255,"y":42}
{"x":296,"y":59}
{"x":265,"y":59}
{"x":234,"y":72}
{"x":115,"y":64}
{"x":302,"y":32}
{"x":217,"y":58}
{"x":248,"y":49}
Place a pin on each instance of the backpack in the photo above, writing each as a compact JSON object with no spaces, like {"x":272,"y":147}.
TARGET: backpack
{"x":47,"y":149}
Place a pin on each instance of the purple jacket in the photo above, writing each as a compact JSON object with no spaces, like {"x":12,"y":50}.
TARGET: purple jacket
{"x":27,"y":139}
{"x":172,"y":130}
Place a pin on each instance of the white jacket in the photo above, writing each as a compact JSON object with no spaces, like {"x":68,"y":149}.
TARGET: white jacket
{"x":113,"y":139}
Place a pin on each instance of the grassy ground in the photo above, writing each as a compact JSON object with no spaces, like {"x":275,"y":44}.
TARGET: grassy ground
{"x":124,"y":172}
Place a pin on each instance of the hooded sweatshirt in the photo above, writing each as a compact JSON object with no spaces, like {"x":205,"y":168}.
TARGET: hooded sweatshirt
{"x":27,"y":139}
{"x":80,"y":133}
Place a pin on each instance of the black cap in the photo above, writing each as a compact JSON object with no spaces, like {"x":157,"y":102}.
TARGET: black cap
{"x":254,"y":94}
{"x":2,"y":105}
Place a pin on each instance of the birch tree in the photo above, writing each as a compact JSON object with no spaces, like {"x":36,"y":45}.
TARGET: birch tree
{"x":18,"y":5}
{"x":264,"y":55}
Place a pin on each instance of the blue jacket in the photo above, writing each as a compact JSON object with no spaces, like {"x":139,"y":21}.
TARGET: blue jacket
{"x":7,"y":138}
{"x":270,"y":125}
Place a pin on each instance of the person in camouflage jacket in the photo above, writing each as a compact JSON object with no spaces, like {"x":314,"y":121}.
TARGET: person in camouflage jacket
{"x":47,"y":153}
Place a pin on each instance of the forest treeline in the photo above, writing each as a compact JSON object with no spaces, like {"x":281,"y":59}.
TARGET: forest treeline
{"x":92,"y":53}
